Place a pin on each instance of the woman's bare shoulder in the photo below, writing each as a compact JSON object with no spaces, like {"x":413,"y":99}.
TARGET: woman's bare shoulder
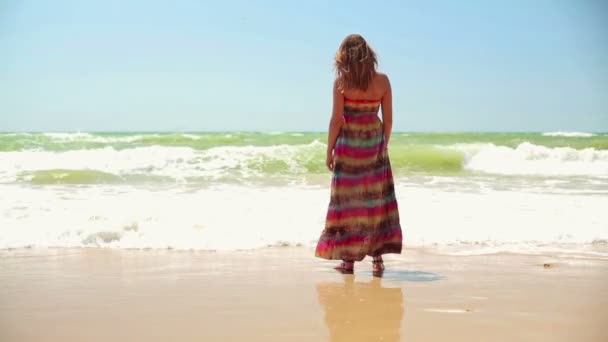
{"x":382,"y":82}
{"x":382,"y":77}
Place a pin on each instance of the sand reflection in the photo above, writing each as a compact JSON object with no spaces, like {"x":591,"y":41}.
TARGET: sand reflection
{"x":361,"y":311}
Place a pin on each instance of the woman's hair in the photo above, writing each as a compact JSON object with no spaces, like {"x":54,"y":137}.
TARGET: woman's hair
{"x":355,"y":63}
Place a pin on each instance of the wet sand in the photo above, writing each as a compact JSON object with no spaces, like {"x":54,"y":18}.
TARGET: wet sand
{"x":285,"y":294}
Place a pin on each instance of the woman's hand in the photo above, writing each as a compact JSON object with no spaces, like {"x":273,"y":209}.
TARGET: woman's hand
{"x":329,"y":161}
{"x":384,"y":146}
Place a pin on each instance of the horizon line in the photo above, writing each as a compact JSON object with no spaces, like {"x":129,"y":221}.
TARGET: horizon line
{"x":287,"y":131}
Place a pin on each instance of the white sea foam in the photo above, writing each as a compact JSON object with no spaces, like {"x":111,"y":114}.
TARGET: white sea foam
{"x":216,"y":219}
{"x":88,"y":137}
{"x":531,"y":159}
{"x":243,"y":217}
{"x":569,"y":134}
{"x":192,"y":136}
{"x":68,"y":136}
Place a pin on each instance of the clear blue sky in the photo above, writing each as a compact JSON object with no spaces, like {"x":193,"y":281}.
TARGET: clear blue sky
{"x":267,"y":65}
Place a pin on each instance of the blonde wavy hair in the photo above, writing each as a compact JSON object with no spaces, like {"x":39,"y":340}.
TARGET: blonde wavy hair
{"x":355,"y":63}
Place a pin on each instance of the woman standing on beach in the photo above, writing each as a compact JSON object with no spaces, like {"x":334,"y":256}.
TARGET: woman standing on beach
{"x":363,"y":218}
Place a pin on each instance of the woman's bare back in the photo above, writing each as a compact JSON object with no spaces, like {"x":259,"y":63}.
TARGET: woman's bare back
{"x":376,"y":90}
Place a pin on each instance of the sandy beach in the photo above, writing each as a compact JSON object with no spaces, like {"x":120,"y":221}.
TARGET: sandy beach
{"x":285,"y":294}
{"x":177,"y":171}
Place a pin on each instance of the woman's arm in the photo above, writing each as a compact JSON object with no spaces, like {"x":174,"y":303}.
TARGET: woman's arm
{"x":387,"y":112}
{"x":337,"y":119}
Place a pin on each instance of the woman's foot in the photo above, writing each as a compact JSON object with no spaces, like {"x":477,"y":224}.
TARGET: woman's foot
{"x":346,"y":266}
{"x":378,"y":264}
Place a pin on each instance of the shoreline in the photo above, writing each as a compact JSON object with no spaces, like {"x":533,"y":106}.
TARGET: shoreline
{"x":596,"y":250}
{"x":285,"y":294}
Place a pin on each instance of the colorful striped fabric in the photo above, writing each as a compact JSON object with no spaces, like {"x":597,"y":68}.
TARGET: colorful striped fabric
{"x":363,"y":217}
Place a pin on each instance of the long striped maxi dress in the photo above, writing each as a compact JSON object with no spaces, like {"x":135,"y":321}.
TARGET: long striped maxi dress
{"x":363,"y":217}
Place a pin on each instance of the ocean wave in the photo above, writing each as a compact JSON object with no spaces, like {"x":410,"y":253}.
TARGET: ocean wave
{"x":84,"y":137}
{"x":400,"y":142}
{"x":68,"y":136}
{"x":150,"y":163}
{"x":94,"y":138}
{"x":569,"y":134}
{"x":531,"y":159}
{"x":157,"y":163}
